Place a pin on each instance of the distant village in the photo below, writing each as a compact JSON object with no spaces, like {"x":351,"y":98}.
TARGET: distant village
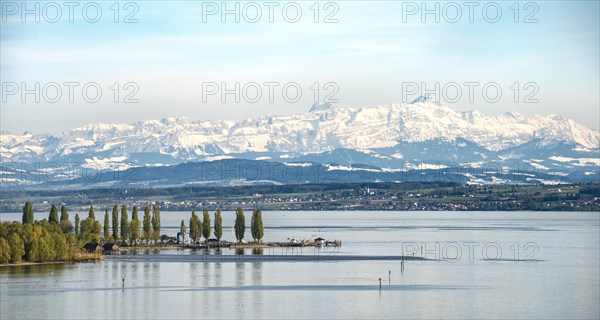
{"x":365,"y":196}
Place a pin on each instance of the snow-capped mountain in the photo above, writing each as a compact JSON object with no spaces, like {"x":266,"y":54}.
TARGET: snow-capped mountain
{"x":324,"y":128}
{"x":390,"y":136}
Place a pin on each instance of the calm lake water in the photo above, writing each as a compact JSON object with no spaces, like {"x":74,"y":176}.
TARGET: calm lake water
{"x":481,"y":265}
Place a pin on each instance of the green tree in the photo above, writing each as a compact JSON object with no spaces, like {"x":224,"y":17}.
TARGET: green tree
{"x":30,"y":234}
{"x":124,"y":223}
{"x":4,"y":251}
{"x":256,"y":225}
{"x":106,"y":226}
{"x":64,"y":214}
{"x":240,"y":224}
{"x":27,"y":213}
{"x":53,"y":216}
{"x":60,"y":245}
{"x":135,"y":225}
{"x":115,"y":223}
{"x":193,"y":229}
{"x":259,"y":226}
{"x":155,"y":223}
{"x":147,"y":224}
{"x":17,"y":247}
{"x":90,"y":228}
{"x":91,"y":213}
{"x":44,"y":247}
{"x":218,"y":224}
{"x":182,"y":229}
{"x":253,"y":225}
{"x":206,"y":224}
{"x":77,"y":224}
{"x":198,"y":225}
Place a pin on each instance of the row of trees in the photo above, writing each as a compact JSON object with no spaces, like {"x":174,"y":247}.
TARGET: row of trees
{"x":256,"y":225}
{"x":200,"y":228}
{"x":90,"y":230}
{"x":56,"y":238}
{"x":130,"y":231}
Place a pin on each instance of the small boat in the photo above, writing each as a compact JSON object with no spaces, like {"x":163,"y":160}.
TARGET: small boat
{"x":320,"y":241}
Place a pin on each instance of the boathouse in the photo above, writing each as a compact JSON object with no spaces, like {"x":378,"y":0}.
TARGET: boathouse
{"x":110,"y":248}
{"x":90,"y":247}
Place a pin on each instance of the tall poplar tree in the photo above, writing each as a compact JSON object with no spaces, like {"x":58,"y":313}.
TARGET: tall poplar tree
{"x":115,"y":223}
{"x":77,"y":224}
{"x":135,"y":225}
{"x":218,"y":224}
{"x":27,"y":213}
{"x":206,"y":224}
{"x":106,"y":226}
{"x":124,"y":224}
{"x":155,"y":223}
{"x":240,"y":224}
{"x":64,"y":214}
{"x":182,"y":229}
{"x":53,"y":216}
{"x":147,"y":224}
{"x":192,"y":225}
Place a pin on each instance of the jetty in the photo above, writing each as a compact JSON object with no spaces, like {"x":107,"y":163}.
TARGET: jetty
{"x":319,"y":242}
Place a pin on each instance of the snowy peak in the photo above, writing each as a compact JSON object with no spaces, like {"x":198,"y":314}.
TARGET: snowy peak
{"x":324,"y":128}
{"x":428,"y":98}
{"x":320,"y":107}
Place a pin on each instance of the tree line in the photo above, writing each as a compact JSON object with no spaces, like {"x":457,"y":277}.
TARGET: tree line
{"x":129,"y":232}
{"x":38,"y":241}
{"x":57,"y":238}
{"x":201,"y":228}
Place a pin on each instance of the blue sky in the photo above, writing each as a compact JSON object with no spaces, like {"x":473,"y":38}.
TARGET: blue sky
{"x":369,"y":54}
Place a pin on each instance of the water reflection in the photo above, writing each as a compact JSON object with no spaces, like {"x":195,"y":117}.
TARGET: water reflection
{"x":261,"y":283}
{"x":240,"y":279}
{"x":218,"y":272}
{"x":257,"y":280}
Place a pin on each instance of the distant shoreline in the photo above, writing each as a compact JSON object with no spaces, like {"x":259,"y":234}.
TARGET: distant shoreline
{"x":384,"y":196}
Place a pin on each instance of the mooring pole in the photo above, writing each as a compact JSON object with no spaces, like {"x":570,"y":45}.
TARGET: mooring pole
{"x":379,"y":283}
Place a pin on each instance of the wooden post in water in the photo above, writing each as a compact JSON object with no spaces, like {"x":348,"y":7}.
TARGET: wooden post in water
{"x":402,"y":265}
{"x":390,"y":277}
{"x":379,"y":283}
{"x":123,"y":283}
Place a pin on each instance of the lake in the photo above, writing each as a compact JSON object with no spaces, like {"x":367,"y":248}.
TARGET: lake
{"x":479,"y":265}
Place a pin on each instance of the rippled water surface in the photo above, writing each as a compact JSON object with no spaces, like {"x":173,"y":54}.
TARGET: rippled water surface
{"x":474,"y":265}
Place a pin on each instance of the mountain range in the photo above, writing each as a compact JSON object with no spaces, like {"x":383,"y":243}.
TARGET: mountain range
{"x":423,"y":135}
